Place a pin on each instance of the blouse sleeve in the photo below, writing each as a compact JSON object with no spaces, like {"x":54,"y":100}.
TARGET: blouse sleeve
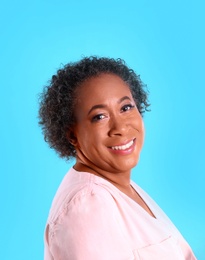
{"x":88,"y":229}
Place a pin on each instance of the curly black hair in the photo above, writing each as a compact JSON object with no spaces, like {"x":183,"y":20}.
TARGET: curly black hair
{"x":57,"y":100}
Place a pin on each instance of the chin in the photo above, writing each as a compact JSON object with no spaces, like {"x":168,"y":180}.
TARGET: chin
{"x":133,"y":163}
{"x":128,"y":166}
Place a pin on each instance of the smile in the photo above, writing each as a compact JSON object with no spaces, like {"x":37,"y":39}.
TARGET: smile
{"x":123,"y":147}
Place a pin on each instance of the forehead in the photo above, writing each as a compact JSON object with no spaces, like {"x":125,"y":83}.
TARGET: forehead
{"x":103,"y":87}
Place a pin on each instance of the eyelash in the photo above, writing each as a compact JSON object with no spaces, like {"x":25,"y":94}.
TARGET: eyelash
{"x":123,"y":109}
{"x":97,"y":118}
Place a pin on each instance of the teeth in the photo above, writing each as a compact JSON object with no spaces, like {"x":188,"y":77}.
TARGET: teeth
{"x":123,"y":147}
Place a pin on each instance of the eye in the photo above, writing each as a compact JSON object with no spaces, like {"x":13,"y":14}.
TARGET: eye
{"x":127,"y":107}
{"x":98,"y":117}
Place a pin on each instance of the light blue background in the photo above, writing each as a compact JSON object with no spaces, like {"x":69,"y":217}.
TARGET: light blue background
{"x":164,"y":42}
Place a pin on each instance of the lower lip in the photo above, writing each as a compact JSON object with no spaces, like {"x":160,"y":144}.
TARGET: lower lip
{"x":126,"y":151}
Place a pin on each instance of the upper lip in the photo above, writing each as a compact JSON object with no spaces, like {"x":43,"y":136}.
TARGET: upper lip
{"x":123,"y":143}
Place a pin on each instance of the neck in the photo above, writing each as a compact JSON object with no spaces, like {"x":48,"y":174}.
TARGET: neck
{"x":120,"y":179}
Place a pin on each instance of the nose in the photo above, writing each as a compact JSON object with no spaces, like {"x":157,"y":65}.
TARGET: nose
{"x":117,"y":126}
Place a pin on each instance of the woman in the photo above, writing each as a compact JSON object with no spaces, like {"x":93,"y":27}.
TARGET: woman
{"x":92,"y":110}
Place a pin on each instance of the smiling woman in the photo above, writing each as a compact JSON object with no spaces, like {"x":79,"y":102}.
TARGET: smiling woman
{"x":109,"y":128}
{"x":92,"y":110}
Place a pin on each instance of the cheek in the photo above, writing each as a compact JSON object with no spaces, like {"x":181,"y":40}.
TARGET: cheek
{"x":138,"y":122}
{"x":140,"y":129}
{"x":88,"y":137}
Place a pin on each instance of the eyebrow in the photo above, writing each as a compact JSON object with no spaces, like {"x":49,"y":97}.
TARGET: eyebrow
{"x":104,"y":106}
{"x":124,"y":98}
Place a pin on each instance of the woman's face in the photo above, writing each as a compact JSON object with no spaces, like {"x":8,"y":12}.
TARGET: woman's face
{"x":109,"y":129}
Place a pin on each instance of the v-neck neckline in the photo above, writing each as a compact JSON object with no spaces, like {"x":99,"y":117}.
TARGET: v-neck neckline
{"x":151,"y":212}
{"x":152,"y":215}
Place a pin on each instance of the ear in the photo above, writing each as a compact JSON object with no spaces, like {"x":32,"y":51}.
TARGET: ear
{"x":71,"y":137}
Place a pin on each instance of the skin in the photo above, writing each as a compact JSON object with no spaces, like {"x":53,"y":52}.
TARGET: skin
{"x":106,"y":116}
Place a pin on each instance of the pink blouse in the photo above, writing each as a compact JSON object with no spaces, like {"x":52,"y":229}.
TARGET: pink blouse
{"x":90,"y":219}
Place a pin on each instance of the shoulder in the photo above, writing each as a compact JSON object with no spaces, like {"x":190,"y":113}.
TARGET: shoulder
{"x":79,"y":194}
{"x":83,"y":211}
{"x":86,"y":222}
